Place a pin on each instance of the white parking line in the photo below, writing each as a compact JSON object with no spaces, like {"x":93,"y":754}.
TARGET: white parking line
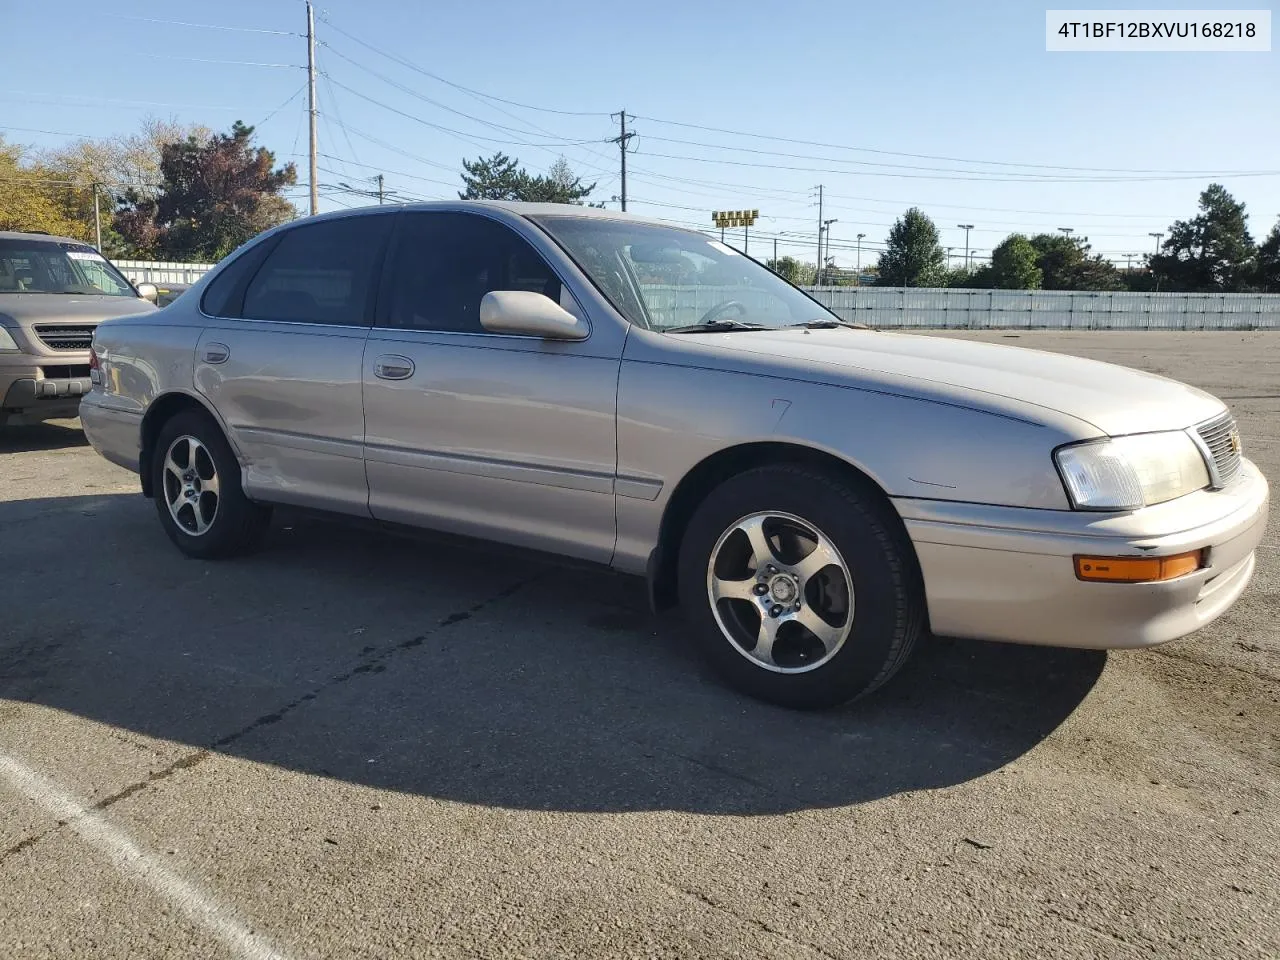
{"x":131,"y":859}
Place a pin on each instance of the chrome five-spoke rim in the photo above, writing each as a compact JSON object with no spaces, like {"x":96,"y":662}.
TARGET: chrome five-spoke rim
{"x":190,"y":485}
{"x":780,"y":592}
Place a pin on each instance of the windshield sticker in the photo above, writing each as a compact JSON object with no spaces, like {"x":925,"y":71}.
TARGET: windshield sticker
{"x":727,"y":251}
{"x":85,"y":255}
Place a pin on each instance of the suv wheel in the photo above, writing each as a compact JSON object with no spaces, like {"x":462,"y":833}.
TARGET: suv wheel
{"x":196,"y":483}
{"x":800,"y":588}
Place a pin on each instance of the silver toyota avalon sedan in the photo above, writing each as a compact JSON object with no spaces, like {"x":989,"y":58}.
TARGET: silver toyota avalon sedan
{"x":813,"y":495}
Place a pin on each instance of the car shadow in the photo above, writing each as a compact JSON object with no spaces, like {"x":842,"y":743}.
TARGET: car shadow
{"x":464,"y":672}
{"x":42,"y":436}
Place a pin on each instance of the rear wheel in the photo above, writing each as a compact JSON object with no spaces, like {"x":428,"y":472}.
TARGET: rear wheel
{"x":800,"y":588}
{"x":195,"y":481}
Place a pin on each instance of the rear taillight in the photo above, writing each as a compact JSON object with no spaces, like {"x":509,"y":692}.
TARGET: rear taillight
{"x":95,"y":367}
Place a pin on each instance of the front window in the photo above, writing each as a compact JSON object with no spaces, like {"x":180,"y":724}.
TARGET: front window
{"x":57,"y":266}
{"x":666,"y":278}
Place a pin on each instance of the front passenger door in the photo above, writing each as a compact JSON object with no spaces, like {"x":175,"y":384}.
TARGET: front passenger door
{"x":509,"y":438}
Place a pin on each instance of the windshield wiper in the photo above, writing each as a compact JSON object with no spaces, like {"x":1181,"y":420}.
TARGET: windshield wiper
{"x":826,"y":324}
{"x":716,"y":326}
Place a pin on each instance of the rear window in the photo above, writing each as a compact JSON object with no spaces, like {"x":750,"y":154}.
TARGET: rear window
{"x":320,"y":273}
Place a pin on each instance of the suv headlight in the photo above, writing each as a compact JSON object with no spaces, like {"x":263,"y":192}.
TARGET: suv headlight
{"x":1125,"y":473}
{"x":6,"y":340}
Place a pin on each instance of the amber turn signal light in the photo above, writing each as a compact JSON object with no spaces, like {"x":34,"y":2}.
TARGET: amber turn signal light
{"x":1138,"y":569}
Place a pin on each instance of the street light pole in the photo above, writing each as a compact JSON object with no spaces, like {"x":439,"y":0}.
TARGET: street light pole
{"x":860,"y":236}
{"x":966,"y":227}
{"x":823,"y":254}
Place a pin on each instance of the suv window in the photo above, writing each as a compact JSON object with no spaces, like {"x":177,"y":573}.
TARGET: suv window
{"x":442,"y":264}
{"x":320,"y":273}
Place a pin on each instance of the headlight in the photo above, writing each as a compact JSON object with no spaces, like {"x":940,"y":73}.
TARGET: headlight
{"x":1125,"y":473}
{"x":6,"y":340}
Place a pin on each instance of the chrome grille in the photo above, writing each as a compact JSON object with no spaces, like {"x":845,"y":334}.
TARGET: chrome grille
{"x":1221,"y":441}
{"x":65,"y":338}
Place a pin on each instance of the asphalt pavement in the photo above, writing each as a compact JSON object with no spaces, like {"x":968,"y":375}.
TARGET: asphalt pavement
{"x":359,"y":745}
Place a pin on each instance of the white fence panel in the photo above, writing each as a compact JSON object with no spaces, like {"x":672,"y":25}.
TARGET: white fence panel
{"x":924,"y":307}
{"x":161,"y":272}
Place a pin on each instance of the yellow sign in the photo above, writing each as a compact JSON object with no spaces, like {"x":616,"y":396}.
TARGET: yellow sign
{"x":734,"y":218}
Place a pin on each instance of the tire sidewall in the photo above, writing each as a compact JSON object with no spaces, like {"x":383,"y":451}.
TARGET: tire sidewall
{"x":873,"y":556}
{"x":233,"y":516}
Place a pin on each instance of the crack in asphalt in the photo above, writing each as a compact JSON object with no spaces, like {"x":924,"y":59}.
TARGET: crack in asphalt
{"x":367,"y":664}
{"x":706,"y":900}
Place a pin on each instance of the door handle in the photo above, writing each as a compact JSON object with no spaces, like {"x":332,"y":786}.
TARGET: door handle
{"x":393,"y":367}
{"x":216,"y":353}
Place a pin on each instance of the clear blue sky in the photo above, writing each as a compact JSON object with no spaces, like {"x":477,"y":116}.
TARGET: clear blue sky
{"x":964,"y":81}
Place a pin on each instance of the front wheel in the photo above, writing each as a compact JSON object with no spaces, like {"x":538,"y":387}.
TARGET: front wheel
{"x":196,"y":484}
{"x":800,"y":588}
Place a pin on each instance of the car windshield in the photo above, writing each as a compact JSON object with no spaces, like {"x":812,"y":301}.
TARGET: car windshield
{"x":58,"y":266}
{"x":666,"y":278}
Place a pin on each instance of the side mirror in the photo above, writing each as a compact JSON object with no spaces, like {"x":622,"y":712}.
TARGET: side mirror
{"x":149,"y":291}
{"x":528,"y":314}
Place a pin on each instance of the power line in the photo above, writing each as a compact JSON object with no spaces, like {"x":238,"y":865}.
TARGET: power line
{"x":296,"y":94}
{"x":469,"y":137}
{"x":233,"y":63}
{"x":208,"y":26}
{"x":1028,"y":178}
{"x":924,"y":156}
{"x":427,"y":73}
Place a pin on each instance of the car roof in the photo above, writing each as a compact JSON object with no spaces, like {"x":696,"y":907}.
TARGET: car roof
{"x":518,"y":208}
{"x":37,"y":235}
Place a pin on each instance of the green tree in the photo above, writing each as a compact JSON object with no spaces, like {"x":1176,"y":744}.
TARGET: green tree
{"x":502,"y":178}
{"x":1267,"y":275}
{"x":1210,"y":252}
{"x":1013,"y":264}
{"x":214,"y":194}
{"x":1066,"y":264}
{"x":912,"y":256}
{"x":793,"y":271}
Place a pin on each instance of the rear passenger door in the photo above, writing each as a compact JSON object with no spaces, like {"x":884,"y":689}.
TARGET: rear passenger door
{"x":509,"y":438}
{"x":280,"y":359}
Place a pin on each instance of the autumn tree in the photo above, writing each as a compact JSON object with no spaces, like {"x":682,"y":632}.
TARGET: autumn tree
{"x":112,"y":166}
{"x":29,"y":199}
{"x":214,"y":193}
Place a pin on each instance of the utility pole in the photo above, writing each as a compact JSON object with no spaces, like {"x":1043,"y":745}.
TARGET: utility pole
{"x":775,"y":254}
{"x":623,"y":137}
{"x":379,"y":179}
{"x":966,"y":227}
{"x":311,"y":106}
{"x":1128,"y":266}
{"x":1157,"y":236}
{"x":97,"y":221}
{"x":860,"y":236}
{"x":1068,"y":231}
{"x":746,"y":237}
{"x":826,"y":228}
{"x":818,"y":276}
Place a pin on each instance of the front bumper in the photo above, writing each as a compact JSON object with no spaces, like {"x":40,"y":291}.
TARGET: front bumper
{"x":41,"y":388}
{"x":999,"y":573}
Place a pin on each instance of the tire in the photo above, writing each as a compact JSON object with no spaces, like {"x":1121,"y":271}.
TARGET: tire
{"x":227,"y":522}
{"x":843,"y":566}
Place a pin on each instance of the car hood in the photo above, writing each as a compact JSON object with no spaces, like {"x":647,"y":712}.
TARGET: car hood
{"x":1114,"y":399}
{"x":25,"y":309}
